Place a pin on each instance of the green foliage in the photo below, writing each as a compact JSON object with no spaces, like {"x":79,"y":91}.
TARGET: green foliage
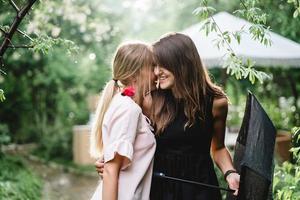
{"x":210,"y":26}
{"x":275,"y":94}
{"x":235,"y":65}
{"x":45,"y":43}
{"x":280,"y":18}
{"x":259,"y":31}
{"x":296,"y":145}
{"x":281,"y":115}
{"x":55,"y":140}
{"x":2,"y":97}
{"x":4,"y":134}
{"x":4,"y":137}
{"x":47,"y":90}
{"x":277,"y":14}
{"x":41,"y":43}
{"x":286,"y":183}
{"x":16,"y":181}
{"x":296,"y":3}
{"x":204,"y":11}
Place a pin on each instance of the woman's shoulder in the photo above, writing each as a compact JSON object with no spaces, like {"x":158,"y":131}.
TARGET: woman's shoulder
{"x":122,"y":104}
{"x":220,"y":106}
{"x":220,"y":101}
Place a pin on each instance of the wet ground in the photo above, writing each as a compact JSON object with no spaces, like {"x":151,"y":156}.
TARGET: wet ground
{"x":60,"y":185}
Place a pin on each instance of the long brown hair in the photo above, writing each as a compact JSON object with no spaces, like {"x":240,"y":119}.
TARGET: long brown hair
{"x":128,"y":62}
{"x":177,"y":53}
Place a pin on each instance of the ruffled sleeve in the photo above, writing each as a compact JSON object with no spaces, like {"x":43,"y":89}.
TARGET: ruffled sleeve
{"x":121,"y":128}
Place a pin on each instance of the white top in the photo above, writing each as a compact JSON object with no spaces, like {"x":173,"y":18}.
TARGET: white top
{"x":126,"y":131}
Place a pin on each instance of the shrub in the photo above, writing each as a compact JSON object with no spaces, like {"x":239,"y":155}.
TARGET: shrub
{"x":16,"y":181}
{"x":286,"y":183}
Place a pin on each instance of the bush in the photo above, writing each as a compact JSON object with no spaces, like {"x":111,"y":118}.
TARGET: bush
{"x":46,"y":94}
{"x":277,"y":95}
{"x":55,"y":142}
{"x":16,"y":181}
{"x":4,"y":134}
{"x":4,"y":137}
{"x":287,"y":177}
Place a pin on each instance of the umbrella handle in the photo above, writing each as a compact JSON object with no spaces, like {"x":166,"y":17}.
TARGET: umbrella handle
{"x":162,"y":175}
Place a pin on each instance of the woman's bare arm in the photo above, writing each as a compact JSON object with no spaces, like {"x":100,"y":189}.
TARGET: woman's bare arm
{"x":111,"y":173}
{"x":220,"y":153}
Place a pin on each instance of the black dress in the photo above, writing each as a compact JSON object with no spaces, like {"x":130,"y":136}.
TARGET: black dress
{"x":185,"y":154}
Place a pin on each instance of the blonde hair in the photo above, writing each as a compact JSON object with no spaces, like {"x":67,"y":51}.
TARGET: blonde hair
{"x":129,"y":59}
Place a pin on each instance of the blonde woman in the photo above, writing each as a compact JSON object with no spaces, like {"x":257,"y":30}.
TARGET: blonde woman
{"x":121,"y":133}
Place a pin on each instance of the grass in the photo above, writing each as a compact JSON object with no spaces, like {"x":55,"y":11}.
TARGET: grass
{"x":16,"y":181}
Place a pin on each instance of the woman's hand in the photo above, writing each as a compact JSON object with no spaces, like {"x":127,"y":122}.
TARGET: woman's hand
{"x":99,"y":164}
{"x":233,"y":181}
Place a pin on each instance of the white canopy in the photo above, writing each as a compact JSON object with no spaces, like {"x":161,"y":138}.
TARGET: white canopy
{"x":282,"y":52}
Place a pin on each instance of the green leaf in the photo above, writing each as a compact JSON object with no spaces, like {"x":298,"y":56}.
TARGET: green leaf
{"x":2,"y":97}
{"x":199,"y":10}
{"x":45,"y":43}
{"x":206,"y":30}
{"x":238,"y":38}
{"x":214,"y":27}
{"x":240,"y":12}
{"x":204,"y":11}
{"x":296,"y":13}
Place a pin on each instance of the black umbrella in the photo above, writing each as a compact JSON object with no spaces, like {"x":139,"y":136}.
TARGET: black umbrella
{"x":254,"y":151}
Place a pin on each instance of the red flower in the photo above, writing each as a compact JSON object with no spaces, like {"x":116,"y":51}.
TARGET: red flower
{"x":128,"y":91}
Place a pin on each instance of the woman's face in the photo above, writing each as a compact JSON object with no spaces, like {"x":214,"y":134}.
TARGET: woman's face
{"x":165,"y":78}
{"x":146,"y":75}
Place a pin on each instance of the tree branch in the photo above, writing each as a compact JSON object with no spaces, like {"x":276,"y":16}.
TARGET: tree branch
{"x":3,"y":72}
{"x":13,"y":4}
{"x":13,"y":28}
{"x":219,"y":29}
{"x":25,"y":46}
{"x":26,"y":9}
{"x":3,"y":31}
{"x":9,"y":41}
{"x":23,"y":33}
